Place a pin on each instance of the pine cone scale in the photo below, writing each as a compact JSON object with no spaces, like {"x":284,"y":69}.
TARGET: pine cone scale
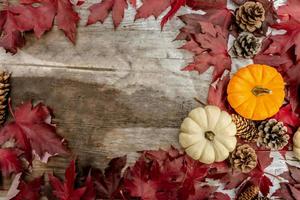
{"x":272,"y":135}
{"x":243,"y":158}
{"x":250,"y":16}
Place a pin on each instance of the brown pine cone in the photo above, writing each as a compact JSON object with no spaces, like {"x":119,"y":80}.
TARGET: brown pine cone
{"x":246,"y":45}
{"x":250,"y":16}
{"x":272,"y":134}
{"x":246,"y":128}
{"x":4,"y":93}
{"x":243,"y":158}
{"x":250,"y":193}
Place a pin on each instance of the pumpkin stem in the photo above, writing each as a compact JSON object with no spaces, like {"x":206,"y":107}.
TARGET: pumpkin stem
{"x":209,"y":135}
{"x":259,"y":91}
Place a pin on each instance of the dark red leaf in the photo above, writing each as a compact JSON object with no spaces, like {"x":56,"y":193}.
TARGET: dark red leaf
{"x":264,"y":159}
{"x":217,"y":94}
{"x":211,"y":51}
{"x":288,"y":117}
{"x":292,"y":79}
{"x":32,"y":129}
{"x":202,"y":193}
{"x":9,"y":161}
{"x":108,"y":185}
{"x":290,"y":10}
{"x":100,"y":11}
{"x":175,"y":6}
{"x":30,"y":191}
{"x":90,"y":192}
{"x":67,"y":19}
{"x":152,"y":7}
{"x":207,"y":4}
{"x":265,"y":185}
{"x":11,"y":37}
{"x":219,"y":17}
{"x":295,"y":192}
{"x":295,"y":173}
{"x":220,"y":196}
{"x":65,"y":190}
{"x":138,"y":181}
{"x":32,"y":17}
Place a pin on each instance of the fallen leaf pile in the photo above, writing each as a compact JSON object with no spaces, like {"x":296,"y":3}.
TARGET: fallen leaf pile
{"x":157,"y":174}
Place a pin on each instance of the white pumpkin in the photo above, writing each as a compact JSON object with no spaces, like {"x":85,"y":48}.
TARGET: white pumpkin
{"x":296,"y":144}
{"x":208,"y":134}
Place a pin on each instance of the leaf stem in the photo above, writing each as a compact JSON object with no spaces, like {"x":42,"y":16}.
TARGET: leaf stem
{"x":121,"y":192}
{"x":10,"y":108}
{"x":199,"y":101}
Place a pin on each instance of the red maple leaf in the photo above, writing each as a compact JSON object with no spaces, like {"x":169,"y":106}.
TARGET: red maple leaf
{"x":202,"y":193}
{"x":32,"y":130}
{"x":221,"y":17}
{"x":38,"y":18}
{"x":67,"y":18}
{"x":65,"y":190}
{"x":29,"y":191}
{"x":138,"y":180}
{"x":100,"y":11}
{"x":217,"y":94}
{"x":90,"y":192}
{"x":11,"y":37}
{"x":207,"y":4}
{"x":288,"y":117}
{"x":9,"y":161}
{"x":290,"y":10}
{"x":108,"y":185}
{"x":210,"y":49}
{"x":292,"y":79}
{"x":282,"y":44}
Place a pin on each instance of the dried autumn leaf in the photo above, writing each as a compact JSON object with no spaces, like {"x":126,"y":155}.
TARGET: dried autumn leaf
{"x":206,"y":4}
{"x":152,"y":8}
{"x":219,"y":17}
{"x":100,"y":11}
{"x":217,"y":94}
{"x":32,"y":130}
{"x":292,"y":79}
{"x":290,"y":10}
{"x":32,"y":17}
{"x":29,"y":191}
{"x":11,"y":37}
{"x":202,"y":193}
{"x":287,"y":116}
{"x":9,"y":161}
{"x":210,"y":49}
{"x":90,"y":192}
{"x":65,"y":190}
{"x":138,"y":180}
{"x":67,"y":18}
{"x":108,"y":185}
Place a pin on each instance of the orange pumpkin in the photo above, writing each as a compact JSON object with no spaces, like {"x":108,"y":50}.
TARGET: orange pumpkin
{"x":256,"y":92}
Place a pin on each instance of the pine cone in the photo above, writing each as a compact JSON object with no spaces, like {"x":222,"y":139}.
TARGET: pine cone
{"x":4,"y":91}
{"x":246,"y":45}
{"x":250,"y":193}
{"x":243,"y":158}
{"x":250,"y":16}
{"x":272,"y":134}
{"x":246,"y":128}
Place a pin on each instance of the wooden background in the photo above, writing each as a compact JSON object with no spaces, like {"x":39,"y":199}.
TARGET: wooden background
{"x":114,"y":92}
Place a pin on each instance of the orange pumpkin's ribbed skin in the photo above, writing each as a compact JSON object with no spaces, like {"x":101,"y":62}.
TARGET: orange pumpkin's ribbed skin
{"x":256,"y":92}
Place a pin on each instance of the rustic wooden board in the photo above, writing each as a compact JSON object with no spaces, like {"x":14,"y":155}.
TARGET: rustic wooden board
{"x":114,"y":92}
